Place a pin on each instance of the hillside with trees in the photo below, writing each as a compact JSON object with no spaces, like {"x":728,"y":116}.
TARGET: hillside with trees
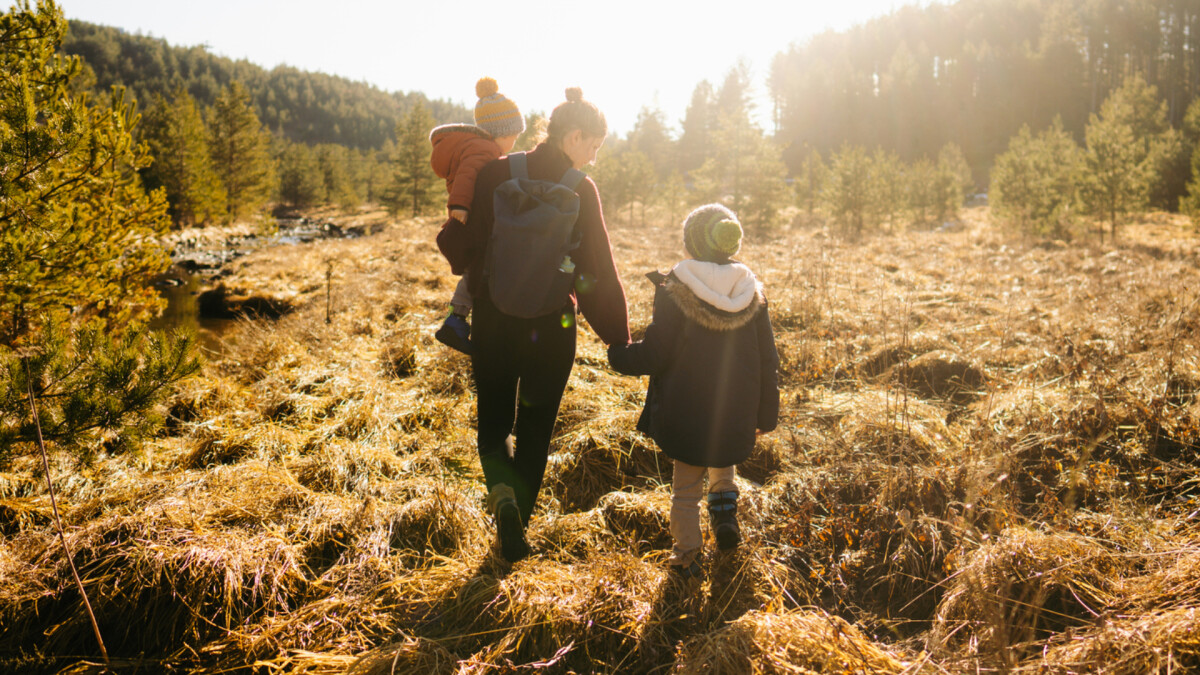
{"x":301,"y":106}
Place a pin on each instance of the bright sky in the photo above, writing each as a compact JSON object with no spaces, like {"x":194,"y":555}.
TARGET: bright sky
{"x":624,"y":53}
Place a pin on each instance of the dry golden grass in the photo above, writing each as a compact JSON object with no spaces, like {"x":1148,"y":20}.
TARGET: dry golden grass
{"x":987,"y":461}
{"x":802,"y":642}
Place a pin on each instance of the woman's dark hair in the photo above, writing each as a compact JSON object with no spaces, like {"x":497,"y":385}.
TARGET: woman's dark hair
{"x":576,"y":113}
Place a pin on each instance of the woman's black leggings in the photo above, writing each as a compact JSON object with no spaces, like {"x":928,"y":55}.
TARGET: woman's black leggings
{"x":521,"y":368}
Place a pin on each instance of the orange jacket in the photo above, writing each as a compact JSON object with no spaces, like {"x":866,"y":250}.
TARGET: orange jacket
{"x":459,"y":152}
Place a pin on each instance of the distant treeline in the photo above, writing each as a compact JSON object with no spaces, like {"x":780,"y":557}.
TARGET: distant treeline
{"x":975,"y":71}
{"x":301,"y":106}
{"x":1069,"y":112}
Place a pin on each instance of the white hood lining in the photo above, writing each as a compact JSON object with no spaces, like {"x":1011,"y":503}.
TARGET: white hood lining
{"x":729,"y":288}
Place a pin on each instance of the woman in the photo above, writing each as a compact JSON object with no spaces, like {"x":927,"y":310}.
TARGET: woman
{"x":521,"y":366}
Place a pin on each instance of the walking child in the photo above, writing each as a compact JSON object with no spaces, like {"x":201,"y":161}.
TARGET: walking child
{"x":459,"y":152}
{"x":710,"y":354}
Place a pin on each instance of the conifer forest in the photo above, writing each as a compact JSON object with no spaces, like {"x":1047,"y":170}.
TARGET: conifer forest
{"x":230,"y":442}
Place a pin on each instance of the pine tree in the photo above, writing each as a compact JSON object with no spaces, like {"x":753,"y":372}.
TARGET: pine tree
{"x":1191,"y":124}
{"x":651,"y":136}
{"x":734,"y":95}
{"x":178,"y":141}
{"x":921,"y":196}
{"x":378,"y":172}
{"x":639,"y":175}
{"x":742,"y":167}
{"x":744,"y":170}
{"x":886,"y":196}
{"x":672,"y":193}
{"x":952,"y":161}
{"x":933,"y":192}
{"x":335,"y":165}
{"x":78,"y":245}
{"x":1166,"y":160}
{"x":849,"y":196}
{"x":1117,"y":173}
{"x":413,"y":181}
{"x":613,"y":182}
{"x":809,"y":182}
{"x":766,"y":186}
{"x":301,"y":183}
{"x":697,"y":127}
{"x":1190,"y":203}
{"x":1169,"y":165}
{"x":948,"y":182}
{"x":1035,"y":182}
{"x":241,"y":149}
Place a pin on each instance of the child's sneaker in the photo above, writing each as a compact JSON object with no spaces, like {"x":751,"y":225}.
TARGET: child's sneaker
{"x":512,"y":531}
{"x":455,"y":333}
{"x":688,"y":572}
{"x":722,"y":511}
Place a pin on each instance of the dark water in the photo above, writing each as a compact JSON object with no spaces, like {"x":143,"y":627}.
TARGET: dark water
{"x":183,"y":282}
{"x":180,"y":289}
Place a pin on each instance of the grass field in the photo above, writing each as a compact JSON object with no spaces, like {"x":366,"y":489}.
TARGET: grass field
{"x":986,"y":462}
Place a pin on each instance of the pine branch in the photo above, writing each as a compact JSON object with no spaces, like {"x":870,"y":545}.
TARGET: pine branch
{"x":58,"y":521}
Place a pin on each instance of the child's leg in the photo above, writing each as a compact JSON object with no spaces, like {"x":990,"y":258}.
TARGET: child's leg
{"x":721,"y":480}
{"x":687,"y":486}
{"x":462,"y":302}
{"x":722,"y":507}
{"x":455,"y":331}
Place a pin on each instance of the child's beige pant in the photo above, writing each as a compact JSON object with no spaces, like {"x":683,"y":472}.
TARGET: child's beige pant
{"x":687,"y":487}
{"x":462,"y":302}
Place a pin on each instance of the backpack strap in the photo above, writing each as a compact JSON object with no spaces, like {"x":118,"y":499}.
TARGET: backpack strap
{"x":518,"y":166}
{"x":571,"y":178}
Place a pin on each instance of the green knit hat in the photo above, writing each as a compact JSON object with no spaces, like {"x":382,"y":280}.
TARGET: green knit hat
{"x":712,"y":233}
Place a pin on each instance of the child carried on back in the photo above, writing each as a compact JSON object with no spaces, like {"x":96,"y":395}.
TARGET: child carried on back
{"x":710,"y":354}
{"x":459,"y":152}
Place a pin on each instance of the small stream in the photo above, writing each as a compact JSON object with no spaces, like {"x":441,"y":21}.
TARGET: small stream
{"x":195,"y":269}
{"x":181,"y":287}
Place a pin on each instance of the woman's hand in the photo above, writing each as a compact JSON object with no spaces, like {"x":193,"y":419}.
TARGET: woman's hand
{"x":459,"y":214}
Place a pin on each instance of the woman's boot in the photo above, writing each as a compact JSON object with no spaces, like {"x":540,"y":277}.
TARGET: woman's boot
{"x":502,"y":503}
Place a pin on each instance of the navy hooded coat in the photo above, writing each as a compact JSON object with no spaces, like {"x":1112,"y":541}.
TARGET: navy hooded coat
{"x":713,"y":374}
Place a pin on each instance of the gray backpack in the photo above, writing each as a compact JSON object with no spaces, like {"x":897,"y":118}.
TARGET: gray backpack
{"x":526,"y":266}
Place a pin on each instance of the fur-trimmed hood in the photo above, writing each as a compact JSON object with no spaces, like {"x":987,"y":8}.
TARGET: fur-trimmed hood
{"x":718,"y":297}
{"x":438,"y":132}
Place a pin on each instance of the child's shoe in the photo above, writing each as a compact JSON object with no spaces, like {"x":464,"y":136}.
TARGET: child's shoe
{"x":722,"y":511}
{"x":688,"y":572}
{"x":455,"y":333}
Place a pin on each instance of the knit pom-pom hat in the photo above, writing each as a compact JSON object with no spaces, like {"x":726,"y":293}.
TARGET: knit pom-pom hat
{"x":712,"y":233}
{"x":494,"y":113}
